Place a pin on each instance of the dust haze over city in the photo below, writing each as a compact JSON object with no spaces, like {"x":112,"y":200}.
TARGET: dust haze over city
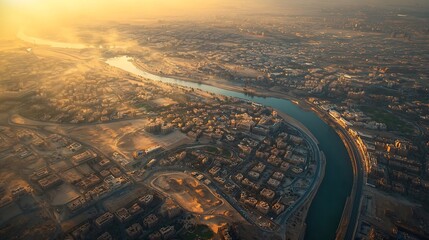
{"x":170,"y":119}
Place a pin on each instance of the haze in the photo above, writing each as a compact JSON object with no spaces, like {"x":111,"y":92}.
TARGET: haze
{"x":49,"y":15}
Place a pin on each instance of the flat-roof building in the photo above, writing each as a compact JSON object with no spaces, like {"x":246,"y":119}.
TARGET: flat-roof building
{"x":104,"y":220}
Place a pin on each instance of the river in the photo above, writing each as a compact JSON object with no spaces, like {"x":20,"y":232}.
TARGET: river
{"x":326,"y":209}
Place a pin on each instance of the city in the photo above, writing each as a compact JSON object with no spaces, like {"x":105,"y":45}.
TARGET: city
{"x":232,"y":125}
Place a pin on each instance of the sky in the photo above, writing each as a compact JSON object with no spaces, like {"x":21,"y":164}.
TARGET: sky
{"x":50,"y":14}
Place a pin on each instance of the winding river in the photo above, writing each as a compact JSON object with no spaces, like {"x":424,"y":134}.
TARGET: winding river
{"x":327,"y":206}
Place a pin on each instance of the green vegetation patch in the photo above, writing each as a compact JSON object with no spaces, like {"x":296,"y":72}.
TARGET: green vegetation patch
{"x":393,"y":122}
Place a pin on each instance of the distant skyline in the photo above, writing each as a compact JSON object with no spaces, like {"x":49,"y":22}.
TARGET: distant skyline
{"x":50,"y":14}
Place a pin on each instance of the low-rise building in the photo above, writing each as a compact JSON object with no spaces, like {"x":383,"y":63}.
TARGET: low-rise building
{"x":278,"y":208}
{"x":50,"y":181}
{"x":105,"y":236}
{"x":214,"y":170}
{"x":76,"y":204}
{"x":278,"y":175}
{"x":81,"y":231}
{"x":134,"y":231}
{"x":170,"y":209}
{"x":155,"y":236}
{"x":263,"y":207}
{"x":146,"y":200}
{"x":273,"y":183}
{"x":267,"y":193}
{"x":83,"y":157}
{"x":150,"y":221}
{"x":122,"y":215}
{"x":167,"y":232}
{"x":104,"y":220}
{"x":260,"y":167}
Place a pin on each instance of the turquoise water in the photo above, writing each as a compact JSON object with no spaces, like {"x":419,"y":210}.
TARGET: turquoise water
{"x":327,"y":206}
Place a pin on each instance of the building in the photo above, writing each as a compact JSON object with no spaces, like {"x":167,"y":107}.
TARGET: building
{"x":254,"y":175}
{"x":115,"y":171}
{"x":81,"y":231}
{"x":273,"y":183}
{"x":251,"y":201}
{"x":170,"y":209}
{"x":239,"y":176}
{"x":76,"y":204}
{"x":295,"y":159}
{"x":167,"y":232}
{"x":150,"y":221}
{"x":278,"y":175}
{"x":267,"y":193}
{"x":50,"y":181}
{"x":74,"y":147}
{"x":214,"y":170}
{"x":146,"y":200}
{"x":260,"y":167}
{"x":225,"y":232}
{"x":105,"y":236}
{"x":246,"y":125}
{"x":43,"y":172}
{"x":18,"y":192}
{"x":89,"y":181}
{"x":153,"y":149}
{"x":155,"y":236}
{"x":135,"y":209}
{"x":134,"y":230}
{"x":139,"y":154}
{"x":104,"y":220}
{"x":284,"y":166}
{"x":278,"y":208}
{"x":122,"y":214}
{"x":153,"y":127}
{"x":104,"y":162}
{"x":83,"y":157}
{"x":262,"y":207}
{"x":261,"y":130}
{"x":273,"y":160}
{"x":166,"y":129}
{"x":104,"y":173}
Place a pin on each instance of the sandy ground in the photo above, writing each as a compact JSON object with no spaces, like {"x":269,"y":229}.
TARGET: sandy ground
{"x":188,"y":192}
{"x":72,"y":175}
{"x":123,"y":136}
{"x":376,"y":204}
{"x":117,"y":201}
{"x":143,"y":140}
{"x":62,"y":194}
{"x":71,"y":223}
{"x":195,"y":197}
{"x":61,"y":166}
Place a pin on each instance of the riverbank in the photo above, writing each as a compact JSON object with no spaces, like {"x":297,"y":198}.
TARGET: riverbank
{"x":296,"y":228}
{"x":348,"y":210}
{"x":251,"y":91}
{"x":335,"y":188}
{"x":325,"y":211}
{"x":343,"y":227}
{"x":300,"y":215}
{"x":302,"y":209}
